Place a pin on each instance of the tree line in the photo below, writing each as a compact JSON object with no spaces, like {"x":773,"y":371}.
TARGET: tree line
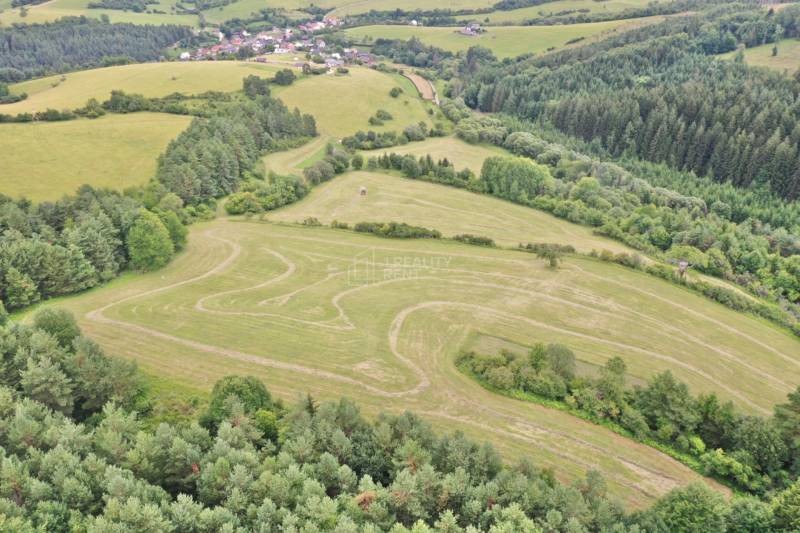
{"x":214,"y":154}
{"x":752,"y":453}
{"x":56,"y":248}
{"x":50,"y":249}
{"x":78,"y":452}
{"x":73,"y":43}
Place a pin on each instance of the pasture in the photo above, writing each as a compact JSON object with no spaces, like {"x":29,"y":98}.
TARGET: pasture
{"x":787,"y":60}
{"x":337,"y":314}
{"x":43,"y":161}
{"x":55,"y":9}
{"x":504,"y":41}
{"x":342,"y":104}
{"x":458,"y":152}
{"x":72,"y":90}
{"x":552,"y":9}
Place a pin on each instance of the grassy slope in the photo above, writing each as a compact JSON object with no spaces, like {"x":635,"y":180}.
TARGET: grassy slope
{"x":506,"y":41}
{"x":552,"y":8}
{"x":453,"y":211}
{"x":150,"y":79}
{"x":52,"y":159}
{"x":363,"y":6}
{"x":342,"y":105}
{"x":458,"y":152}
{"x":55,"y":9}
{"x":293,"y":306}
{"x":787,"y":60}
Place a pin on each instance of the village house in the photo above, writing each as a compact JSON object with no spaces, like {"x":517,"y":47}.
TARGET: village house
{"x":471,"y":29}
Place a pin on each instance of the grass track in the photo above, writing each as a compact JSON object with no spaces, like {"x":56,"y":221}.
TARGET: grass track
{"x":149,"y":79}
{"x":262,"y":299}
{"x":44,"y":161}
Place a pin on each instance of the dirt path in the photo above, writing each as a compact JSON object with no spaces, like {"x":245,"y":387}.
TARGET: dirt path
{"x":425,"y":88}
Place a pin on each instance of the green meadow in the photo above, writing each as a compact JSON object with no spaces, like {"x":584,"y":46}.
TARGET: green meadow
{"x":55,"y":158}
{"x":72,"y":90}
{"x":504,"y":41}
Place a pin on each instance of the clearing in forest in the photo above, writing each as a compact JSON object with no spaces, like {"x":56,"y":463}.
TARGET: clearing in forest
{"x":504,"y":41}
{"x":343,"y":104}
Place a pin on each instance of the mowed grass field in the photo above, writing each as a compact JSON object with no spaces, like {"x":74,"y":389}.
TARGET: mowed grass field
{"x":55,"y":9}
{"x":504,"y":41}
{"x":787,"y":60}
{"x":451,"y":211}
{"x":550,"y":9}
{"x":334,"y":313}
{"x":458,"y":152}
{"x":149,"y":79}
{"x":44,"y":161}
{"x":343,"y":104}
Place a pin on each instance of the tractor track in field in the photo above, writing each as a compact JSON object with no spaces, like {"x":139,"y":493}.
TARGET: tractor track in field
{"x":521,"y":426}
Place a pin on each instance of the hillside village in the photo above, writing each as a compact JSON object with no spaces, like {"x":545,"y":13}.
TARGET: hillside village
{"x":299,"y":39}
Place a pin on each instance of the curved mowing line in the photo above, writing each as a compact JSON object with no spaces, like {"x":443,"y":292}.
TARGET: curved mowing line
{"x":394,"y":332}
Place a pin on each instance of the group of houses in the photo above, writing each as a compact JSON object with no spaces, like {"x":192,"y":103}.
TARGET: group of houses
{"x":277,"y":40}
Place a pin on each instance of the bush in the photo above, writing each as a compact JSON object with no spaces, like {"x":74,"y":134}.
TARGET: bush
{"x":397,"y":230}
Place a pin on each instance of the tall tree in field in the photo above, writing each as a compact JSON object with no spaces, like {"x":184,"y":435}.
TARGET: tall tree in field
{"x":149,"y":242}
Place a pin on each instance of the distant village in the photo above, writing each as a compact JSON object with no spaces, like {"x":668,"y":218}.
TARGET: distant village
{"x":299,"y":39}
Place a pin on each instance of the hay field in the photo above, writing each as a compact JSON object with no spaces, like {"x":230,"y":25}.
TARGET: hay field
{"x":335,"y":313}
{"x":55,"y":9}
{"x":342,"y":105}
{"x":149,"y":79}
{"x":504,"y":41}
{"x":43,"y":161}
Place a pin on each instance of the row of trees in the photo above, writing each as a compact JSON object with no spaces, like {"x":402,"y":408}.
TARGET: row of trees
{"x":753,"y":453}
{"x":74,"y":456}
{"x":72,"y":43}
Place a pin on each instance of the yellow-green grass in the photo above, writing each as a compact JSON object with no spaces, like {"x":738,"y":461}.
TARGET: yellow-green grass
{"x":461,"y":154}
{"x":452,"y":211}
{"x":787,"y":61}
{"x":55,"y":9}
{"x":44,"y":161}
{"x":550,"y":9}
{"x":363,"y":6}
{"x":149,"y":79}
{"x":343,"y":104}
{"x":504,"y":41}
{"x":245,"y":8}
{"x":337,"y":314}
